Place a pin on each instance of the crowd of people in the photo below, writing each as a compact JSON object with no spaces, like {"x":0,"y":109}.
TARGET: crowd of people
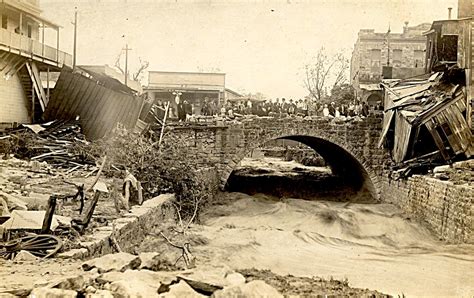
{"x":301,"y":107}
{"x":278,"y":107}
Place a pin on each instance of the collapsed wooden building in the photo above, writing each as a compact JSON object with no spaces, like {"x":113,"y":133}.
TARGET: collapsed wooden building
{"x":427,"y":117}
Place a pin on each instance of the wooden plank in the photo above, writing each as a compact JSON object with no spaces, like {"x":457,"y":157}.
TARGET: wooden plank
{"x":431,"y":126}
{"x":92,"y":101}
{"x":97,"y":116}
{"x":89,"y":114}
{"x":126,"y":112}
{"x":78,"y":98}
{"x":56,"y":96}
{"x":68,"y":100}
{"x":106,"y":116}
{"x":63,"y":98}
{"x":121,"y":104}
{"x":85,"y":98}
{"x":132,"y":115}
{"x":65,"y":110}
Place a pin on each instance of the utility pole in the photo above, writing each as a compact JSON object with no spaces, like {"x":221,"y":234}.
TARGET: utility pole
{"x":74,"y":54}
{"x":388,"y":46}
{"x":126,"y":62}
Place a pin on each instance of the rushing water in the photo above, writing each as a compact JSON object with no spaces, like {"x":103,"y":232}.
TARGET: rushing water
{"x":375,"y":246}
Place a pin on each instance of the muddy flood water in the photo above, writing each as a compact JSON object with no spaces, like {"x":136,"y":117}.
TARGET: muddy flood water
{"x":374,"y":246}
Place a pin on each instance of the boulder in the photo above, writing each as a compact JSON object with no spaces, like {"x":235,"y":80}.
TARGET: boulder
{"x":25,"y":256}
{"x":235,"y":279}
{"x":137,"y":282}
{"x":52,"y":293}
{"x":76,"y":283}
{"x":443,"y":169}
{"x":13,"y":202}
{"x":150,"y":261}
{"x":113,"y":262}
{"x":133,"y":288}
{"x":181,"y":289}
{"x":253,"y":289}
{"x":205,"y":281}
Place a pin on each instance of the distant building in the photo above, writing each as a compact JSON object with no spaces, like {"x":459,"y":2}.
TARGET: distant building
{"x":195,"y":87}
{"x":23,"y":55}
{"x":378,"y":56}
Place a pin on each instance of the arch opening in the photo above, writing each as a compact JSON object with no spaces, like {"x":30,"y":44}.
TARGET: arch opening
{"x":347,"y":179}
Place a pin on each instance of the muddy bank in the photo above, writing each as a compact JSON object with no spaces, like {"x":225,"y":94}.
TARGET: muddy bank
{"x":279,"y":178}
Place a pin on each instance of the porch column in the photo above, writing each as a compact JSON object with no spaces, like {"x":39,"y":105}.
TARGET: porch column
{"x":42,"y":41}
{"x":20,"y":31}
{"x":57,"y":45}
{"x":47,"y":83}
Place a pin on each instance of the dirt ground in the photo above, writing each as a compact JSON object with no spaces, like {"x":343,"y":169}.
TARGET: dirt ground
{"x":19,"y":277}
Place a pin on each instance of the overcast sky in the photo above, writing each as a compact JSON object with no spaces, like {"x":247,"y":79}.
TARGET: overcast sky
{"x":261,"y":45}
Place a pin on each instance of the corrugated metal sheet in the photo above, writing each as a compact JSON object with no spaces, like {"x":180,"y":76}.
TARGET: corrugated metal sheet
{"x":99,"y":108}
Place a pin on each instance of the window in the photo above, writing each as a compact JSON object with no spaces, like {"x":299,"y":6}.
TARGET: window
{"x":419,"y":58}
{"x":375,"y":56}
{"x":397,"y":57}
{"x":448,"y":49}
{"x":30,"y":30}
{"x":4,"y":21}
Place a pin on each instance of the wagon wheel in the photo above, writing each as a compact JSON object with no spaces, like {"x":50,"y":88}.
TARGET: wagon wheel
{"x":42,"y":246}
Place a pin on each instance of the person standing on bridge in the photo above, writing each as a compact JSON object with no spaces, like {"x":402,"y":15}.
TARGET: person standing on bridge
{"x":181,"y":111}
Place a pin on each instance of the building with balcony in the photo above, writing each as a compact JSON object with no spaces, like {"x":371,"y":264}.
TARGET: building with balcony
{"x":194,"y":87}
{"x":23,"y":56}
{"x":378,"y":56}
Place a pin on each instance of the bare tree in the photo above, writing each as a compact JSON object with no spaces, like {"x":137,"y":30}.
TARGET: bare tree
{"x":325,"y":72}
{"x":143,"y":65}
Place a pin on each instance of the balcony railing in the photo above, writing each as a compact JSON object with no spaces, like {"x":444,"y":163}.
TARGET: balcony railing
{"x":32,"y":48}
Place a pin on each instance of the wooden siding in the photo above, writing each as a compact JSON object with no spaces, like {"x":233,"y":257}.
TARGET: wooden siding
{"x":99,"y":108}
{"x":403,"y":134}
{"x":449,"y":127}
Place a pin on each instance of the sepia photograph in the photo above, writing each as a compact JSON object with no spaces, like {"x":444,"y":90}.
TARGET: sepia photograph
{"x":236,"y":148}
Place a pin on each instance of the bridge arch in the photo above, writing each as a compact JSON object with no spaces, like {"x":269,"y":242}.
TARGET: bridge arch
{"x":343,"y":159}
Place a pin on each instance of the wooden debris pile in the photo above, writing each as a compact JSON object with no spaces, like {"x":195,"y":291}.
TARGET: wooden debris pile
{"x":53,"y":142}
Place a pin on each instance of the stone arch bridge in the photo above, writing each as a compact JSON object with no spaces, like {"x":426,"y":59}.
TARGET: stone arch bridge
{"x":348,"y":147}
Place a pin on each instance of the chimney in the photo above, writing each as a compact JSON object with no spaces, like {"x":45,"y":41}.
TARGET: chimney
{"x":405,"y":28}
{"x":449,"y":12}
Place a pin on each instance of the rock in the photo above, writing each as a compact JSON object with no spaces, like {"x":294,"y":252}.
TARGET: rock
{"x":133,"y":288}
{"x":77,"y":253}
{"x":256,"y":288}
{"x":113,"y":262}
{"x":150,"y":261}
{"x":137,"y":281}
{"x":443,"y":169}
{"x":205,"y":281}
{"x":100,"y":294}
{"x":24,"y":256}
{"x":181,"y":289}
{"x":441,"y":176}
{"x":235,"y":279}
{"x":91,"y":289}
{"x":13,"y":202}
{"x":52,"y":293}
{"x":76,"y":283}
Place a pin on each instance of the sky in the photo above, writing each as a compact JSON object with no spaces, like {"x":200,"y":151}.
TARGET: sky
{"x":261,"y":45}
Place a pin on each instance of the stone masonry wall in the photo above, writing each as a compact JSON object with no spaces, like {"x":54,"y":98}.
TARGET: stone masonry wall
{"x":444,"y":207}
{"x":130,"y":230}
{"x":224,"y":146}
